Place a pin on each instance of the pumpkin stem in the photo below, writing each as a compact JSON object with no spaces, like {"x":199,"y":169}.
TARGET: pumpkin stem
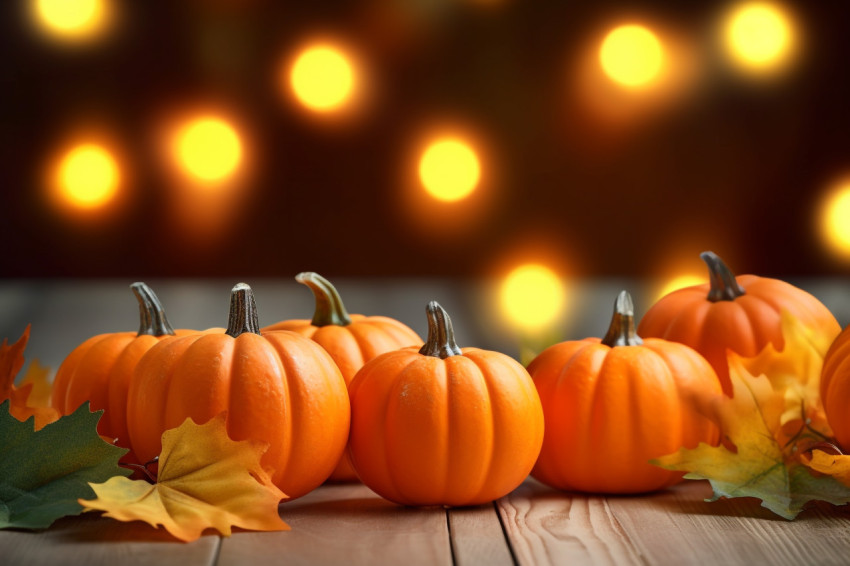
{"x":724,"y":286}
{"x":441,"y":336}
{"x":152,"y":319}
{"x":329,"y":307}
{"x":622,"y":329}
{"x":243,"y":311}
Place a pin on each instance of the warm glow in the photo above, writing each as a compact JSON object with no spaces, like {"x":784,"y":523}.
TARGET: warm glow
{"x":208,"y":149}
{"x":835,"y":224}
{"x":758,"y":36}
{"x":631,"y":56}
{"x":532,"y":296}
{"x":71,"y":18}
{"x":88,"y":177}
{"x":449,"y":170}
{"x":681,"y":282}
{"x":322,"y":78}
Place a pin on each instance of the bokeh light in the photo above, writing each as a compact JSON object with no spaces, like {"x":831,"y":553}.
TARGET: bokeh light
{"x":208,"y":149}
{"x":835,"y":221}
{"x":71,"y":19}
{"x":632,"y":56}
{"x":87,"y":177}
{"x":758,"y":36}
{"x":532,"y":296}
{"x":679,"y":282}
{"x":449,"y":169}
{"x":323,"y":78}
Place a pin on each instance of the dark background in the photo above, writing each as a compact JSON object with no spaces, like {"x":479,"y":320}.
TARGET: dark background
{"x":735,"y":165}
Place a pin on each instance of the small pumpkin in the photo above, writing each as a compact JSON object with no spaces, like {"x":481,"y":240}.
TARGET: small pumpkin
{"x":443,"y":426}
{"x":99,"y":370}
{"x":742,"y":314}
{"x":278,"y":387}
{"x":613,"y":404}
{"x":835,"y":387}
{"x":350,"y":339}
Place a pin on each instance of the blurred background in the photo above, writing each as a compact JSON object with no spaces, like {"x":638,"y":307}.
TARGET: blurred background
{"x":535,"y":148}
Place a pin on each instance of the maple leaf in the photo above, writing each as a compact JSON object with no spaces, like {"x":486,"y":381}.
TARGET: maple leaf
{"x":44,"y":472}
{"x":764,"y":424}
{"x":24,"y":404}
{"x":205,"y":479}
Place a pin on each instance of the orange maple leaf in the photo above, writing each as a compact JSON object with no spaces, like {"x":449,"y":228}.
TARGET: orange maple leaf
{"x":205,"y":480}
{"x":23,"y":404}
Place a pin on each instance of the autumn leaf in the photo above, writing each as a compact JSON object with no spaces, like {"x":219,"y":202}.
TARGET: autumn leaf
{"x":23,"y":403}
{"x":44,"y":472}
{"x":835,"y":465}
{"x":796,"y":370}
{"x":773,"y":415}
{"x":205,"y":479}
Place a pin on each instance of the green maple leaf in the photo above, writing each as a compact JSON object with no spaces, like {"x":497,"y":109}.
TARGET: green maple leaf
{"x":43,"y":473}
{"x":763,"y":463}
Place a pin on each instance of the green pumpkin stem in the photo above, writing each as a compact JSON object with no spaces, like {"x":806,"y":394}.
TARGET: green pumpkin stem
{"x":724,"y":286}
{"x":441,"y":336}
{"x":243,"y":311}
{"x":329,"y":308}
{"x":622,"y":329}
{"x":152,"y":319}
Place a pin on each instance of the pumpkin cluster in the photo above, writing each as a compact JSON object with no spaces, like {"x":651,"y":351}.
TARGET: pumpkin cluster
{"x":346,"y":397}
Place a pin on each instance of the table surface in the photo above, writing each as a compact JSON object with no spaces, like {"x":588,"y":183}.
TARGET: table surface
{"x":533,"y":525}
{"x":349,"y":524}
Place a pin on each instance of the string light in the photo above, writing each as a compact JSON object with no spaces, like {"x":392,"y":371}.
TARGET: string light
{"x":632,"y":56}
{"x":208,"y":149}
{"x":758,"y":36}
{"x":323,"y":78}
{"x":835,"y":221}
{"x":88,"y":177}
{"x":71,"y":19}
{"x":532,"y":296}
{"x":449,"y":169}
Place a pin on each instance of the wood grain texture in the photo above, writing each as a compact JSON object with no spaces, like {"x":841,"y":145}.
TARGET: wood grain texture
{"x":345,"y":524}
{"x":477,"y":537}
{"x":92,"y":540}
{"x":675,"y":526}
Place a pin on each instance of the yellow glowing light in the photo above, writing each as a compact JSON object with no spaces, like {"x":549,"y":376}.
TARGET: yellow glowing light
{"x":71,"y":18}
{"x":532,"y":296}
{"x":88,"y":177}
{"x":209,"y":149}
{"x":449,"y":170}
{"x":322,"y":78}
{"x":758,"y":36}
{"x":836,"y":221}
{"x":632,"y":56}
{"x":680,"y":282}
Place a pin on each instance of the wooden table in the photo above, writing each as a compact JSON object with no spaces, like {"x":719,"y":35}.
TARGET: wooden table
{"x":348,"y":524}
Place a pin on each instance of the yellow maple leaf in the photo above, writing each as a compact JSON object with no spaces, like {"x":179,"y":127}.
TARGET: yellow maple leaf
{"x":205,"y":480}
{"x":22,"y":402}
{"x":795,"y":371}
{"x":835,"y":465}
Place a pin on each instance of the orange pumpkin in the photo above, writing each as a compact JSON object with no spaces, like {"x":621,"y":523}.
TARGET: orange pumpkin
{"x":741,"y":314}
{"x":443,"y":426}
{"x":611,"y":405}
{"x":278,"y":387}
{"x":351,"y":340}
{"x":99,"y":370}
{"x":835,"y":387}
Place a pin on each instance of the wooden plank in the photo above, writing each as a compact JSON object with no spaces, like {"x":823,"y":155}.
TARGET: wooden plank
{"x":93,"y":540}
{"x":675,"y":526}
{"x":545,"y":526}
{"x":477,"y":537}
{"x":730,"y":532}
{"x":345,"y":524}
